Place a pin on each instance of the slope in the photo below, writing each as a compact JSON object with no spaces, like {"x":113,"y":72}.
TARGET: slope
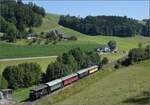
{"x":126,"y":86}
{"x":11,"y":50}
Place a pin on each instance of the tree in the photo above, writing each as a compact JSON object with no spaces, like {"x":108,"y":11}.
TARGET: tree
{"x":102,"y":25}
{"x":30,"y":30}
{"x":105,"y":60}
{"x":147,"y":51}
{"x":15,"y":15}
{"x":22,"y":75}
{"x":55,"y":70}
{"x":3,"y":83}
{"x":70,"y":62}
{"x":136,"y":55}
{"x":112,"y":44}
{"x":140,"y":45}
{"x":146,"y":28}
{"x":11,"y":32}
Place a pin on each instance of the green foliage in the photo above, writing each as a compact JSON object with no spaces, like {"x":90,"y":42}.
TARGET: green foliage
{"x":105,"y":60}
{"x":70,"y":62}
{"x":72,"y":38}
{"x":22,"y":75}
{"x":112,"y":44}
{"x":55,"y":70}
{"x":146,"y":28}
{"x":102,"y":25}
{"x":30,"y":30}
{"x":117,"y":66}
{"x":9,"y":29}
{"x":3,"y":83}
{"x":19,"y":15}
{"x":136,"y":55}
{"x":147,"y":51}
{"x":140,"y":45}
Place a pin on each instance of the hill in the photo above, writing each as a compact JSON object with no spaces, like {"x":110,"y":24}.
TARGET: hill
{"x":103,"y":25}
{"x":126,"y":86}
{"x":18,"y":17}
{"x":22,"y":49}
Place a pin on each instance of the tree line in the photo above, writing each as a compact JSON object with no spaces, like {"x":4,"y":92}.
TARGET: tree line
{"x":135,"y":55}
{"x":106,"y":25}
{"x":70,"y":62}
{"x":28,"y":74}
{"x":16,"y":16}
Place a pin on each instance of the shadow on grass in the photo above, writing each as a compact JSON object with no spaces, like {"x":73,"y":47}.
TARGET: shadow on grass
{"x":141,"y":99}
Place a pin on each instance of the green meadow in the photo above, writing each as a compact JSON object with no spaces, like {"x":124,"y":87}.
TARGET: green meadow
{"x":22,"y":49}
{"x":96,"y":83}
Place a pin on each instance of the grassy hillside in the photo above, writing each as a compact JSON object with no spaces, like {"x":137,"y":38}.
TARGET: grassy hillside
{"x":49,"y":22}
{"x":126,"y":86}
{"x":20,"y":49}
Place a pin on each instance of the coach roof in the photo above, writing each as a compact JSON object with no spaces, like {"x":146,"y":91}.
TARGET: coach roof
{"x":69,"y":76}
{"x":54,"y":82}
{"x":39,"y":87}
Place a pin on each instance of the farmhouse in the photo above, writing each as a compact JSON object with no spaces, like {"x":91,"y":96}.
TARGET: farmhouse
{"x":106,"y":49}
{"x":103,"y":48}
{"x":55,"y":34}
{"x":32,"y":36}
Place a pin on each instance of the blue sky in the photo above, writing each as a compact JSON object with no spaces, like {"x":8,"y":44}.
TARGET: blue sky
{"x":133,"y":9}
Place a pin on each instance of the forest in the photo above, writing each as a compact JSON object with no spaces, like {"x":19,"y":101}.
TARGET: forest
{"x":106,"y":25}
{"x":16,"y":17}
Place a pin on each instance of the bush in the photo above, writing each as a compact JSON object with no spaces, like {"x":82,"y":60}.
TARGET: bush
{"x":42,"y":33}
{"x":55,"y":42}
{"x":112,"y":44}
{"x":105,"y":60}
{"x":3,"y":83}
{"x":117,"y":66}
{"x":73,"y":38}
{"x":39,"y":41}
{"x":47,"y":41}
{"x":22,"y":75}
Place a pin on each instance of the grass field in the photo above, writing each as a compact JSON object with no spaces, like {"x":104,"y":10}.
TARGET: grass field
{"x":43,"y":62}
{"x":21,"y":49}
{"x":126,"y":86}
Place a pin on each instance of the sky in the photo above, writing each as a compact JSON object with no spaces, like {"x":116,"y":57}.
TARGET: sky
{"x":137,"y":9}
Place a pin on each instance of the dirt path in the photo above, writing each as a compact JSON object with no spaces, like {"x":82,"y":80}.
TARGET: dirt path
{"x":27,"y":58}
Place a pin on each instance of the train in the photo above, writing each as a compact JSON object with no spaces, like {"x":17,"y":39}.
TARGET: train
{"x":50,"y":87}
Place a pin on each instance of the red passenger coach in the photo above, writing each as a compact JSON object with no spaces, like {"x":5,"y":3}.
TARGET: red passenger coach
{"x":69,"y":79}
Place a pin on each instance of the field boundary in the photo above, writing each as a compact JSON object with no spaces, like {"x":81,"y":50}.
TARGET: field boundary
{"x":26,"y":58}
